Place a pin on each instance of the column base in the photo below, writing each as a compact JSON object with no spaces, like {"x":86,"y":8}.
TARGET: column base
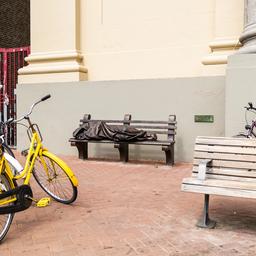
{"x":52,"y":77}
{"x":248,"y":39}
{"x":220,"y":50}
{"x":53,"y":67}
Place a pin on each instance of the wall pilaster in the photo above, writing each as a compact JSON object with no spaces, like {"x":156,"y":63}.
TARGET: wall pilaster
{"x":248,"y":37}
{"x":228,"y":25}
{"x":55,"y":43}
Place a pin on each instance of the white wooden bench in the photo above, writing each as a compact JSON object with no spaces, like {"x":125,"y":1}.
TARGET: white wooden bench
{"x":222,"y":166}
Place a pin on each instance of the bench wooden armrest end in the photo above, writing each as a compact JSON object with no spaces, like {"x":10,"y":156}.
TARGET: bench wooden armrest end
{"x":202,"y":168}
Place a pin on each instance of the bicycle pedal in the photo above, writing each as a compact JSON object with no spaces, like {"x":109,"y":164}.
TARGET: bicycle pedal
{"x":43,"y":202}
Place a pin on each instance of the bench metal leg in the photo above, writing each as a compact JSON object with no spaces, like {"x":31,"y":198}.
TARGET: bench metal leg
{"x":169,"y":155}
{"x":82,"y":150}
{"x":205,"y":221}
{"x":123,"y":151}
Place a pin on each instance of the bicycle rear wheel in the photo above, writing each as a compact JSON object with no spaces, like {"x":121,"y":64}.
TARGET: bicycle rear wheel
{"x":54,"y":179}
{"x":5,"y":219}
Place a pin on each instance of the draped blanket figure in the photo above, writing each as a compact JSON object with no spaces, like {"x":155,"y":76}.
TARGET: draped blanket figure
{"x":99,"y":130}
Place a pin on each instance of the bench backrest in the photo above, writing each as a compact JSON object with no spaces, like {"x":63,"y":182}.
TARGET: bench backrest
{"x":167,"y":127}
{"x":232,"y":158}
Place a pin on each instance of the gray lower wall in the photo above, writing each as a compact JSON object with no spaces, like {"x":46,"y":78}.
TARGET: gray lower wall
{"x":144,"y":99}
{"x":240,"y":89}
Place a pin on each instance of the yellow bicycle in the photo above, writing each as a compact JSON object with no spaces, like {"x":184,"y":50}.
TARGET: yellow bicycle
{"x":51,"y":173}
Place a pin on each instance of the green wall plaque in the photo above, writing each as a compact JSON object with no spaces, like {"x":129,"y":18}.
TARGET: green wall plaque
{"x":204,"y":118}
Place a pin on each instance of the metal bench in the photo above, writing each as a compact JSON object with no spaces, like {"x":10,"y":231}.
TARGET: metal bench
{"x":161,"y":128}
{"x":222,"y":166}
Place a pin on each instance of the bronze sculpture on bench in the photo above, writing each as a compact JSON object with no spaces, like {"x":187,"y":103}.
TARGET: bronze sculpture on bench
{"x":124,"y":132}
{"x":100,"y":130}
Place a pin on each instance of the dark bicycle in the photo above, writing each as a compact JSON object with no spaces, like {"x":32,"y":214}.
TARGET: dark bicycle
{"x":249,"y":128}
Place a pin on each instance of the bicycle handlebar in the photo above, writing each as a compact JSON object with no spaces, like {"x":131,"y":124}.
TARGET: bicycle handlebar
{"x":250,"y":106}
{"x":46,"y":97}
{"x":30,"y":110}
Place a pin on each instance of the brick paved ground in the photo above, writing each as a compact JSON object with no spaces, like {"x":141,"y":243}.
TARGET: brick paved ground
{"x":132,"y":209}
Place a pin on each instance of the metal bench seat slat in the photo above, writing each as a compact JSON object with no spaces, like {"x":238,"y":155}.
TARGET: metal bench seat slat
{"x":121,"y":122}
{"x":161,"y":142}
{"x":151,"y":122}
{"x":107,"y":121}
{"x":161,"y":132}
{"x":171,"y":127}
{"x":165,"y":142}
{"x":167,"y":123}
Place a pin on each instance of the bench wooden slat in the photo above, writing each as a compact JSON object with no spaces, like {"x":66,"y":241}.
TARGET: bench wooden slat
{"x":231,"y":141}
{"x":225,"y":177}
{"x":222,"y":183}
{"x":229,"y":172}
{"x":224,"y":156}
{"x":226,"y":149}
{"x":219,"y":191}
{"x":229,"y":164}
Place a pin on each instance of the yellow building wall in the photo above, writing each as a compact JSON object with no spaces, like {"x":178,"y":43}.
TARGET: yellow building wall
{"x":156,"y":38}
{"x":131,"y":39}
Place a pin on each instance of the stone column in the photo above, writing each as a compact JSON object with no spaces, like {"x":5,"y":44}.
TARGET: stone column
{"x":55,"y":43}
{"x":240,"y":75}
{"x":228,"y":24}
{"x":248,"y":37}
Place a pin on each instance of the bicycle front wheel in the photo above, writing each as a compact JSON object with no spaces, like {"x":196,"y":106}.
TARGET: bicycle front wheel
{"x":54,"y":179}
{"x":5,"y":219}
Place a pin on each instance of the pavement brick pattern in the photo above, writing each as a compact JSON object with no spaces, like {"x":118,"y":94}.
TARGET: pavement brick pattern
{"x":132,"y":209}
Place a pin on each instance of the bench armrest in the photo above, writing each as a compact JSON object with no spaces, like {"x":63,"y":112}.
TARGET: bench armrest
{"x":202,"y":168}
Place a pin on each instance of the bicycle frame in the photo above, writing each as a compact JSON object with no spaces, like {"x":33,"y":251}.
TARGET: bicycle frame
{"x":250,"y":129}
{"x":36,"y":150}
{"x":251,"y":132}
{"x":16,"y":197}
